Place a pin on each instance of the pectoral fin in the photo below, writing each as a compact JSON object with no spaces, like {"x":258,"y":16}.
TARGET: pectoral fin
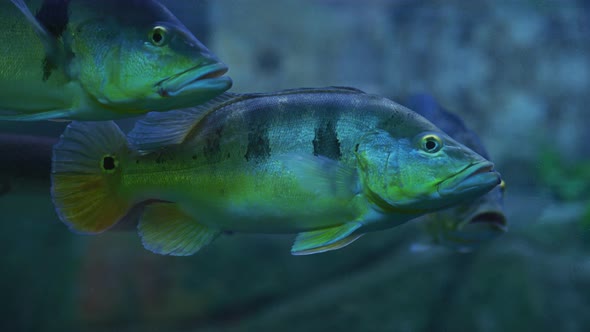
{"x":166,"y":230}
{"x":323,"y":240}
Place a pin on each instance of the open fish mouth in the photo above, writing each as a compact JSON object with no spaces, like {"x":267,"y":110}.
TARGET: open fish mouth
{"x":196,"y":79}
{"x":477,"y":178}
{"x":493,"y":220}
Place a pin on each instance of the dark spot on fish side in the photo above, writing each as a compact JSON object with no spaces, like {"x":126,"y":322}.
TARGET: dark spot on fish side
{"x":325,"y":141}
{"x":108,"y":163}
{"x":258,"y":143}
{"x":54,"y":16}
{"x":194,"y":157}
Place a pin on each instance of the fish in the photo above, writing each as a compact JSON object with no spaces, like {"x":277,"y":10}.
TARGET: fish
{"x":328,"y":164}
{"x":100,"y":60}
{"x":468,"y":225}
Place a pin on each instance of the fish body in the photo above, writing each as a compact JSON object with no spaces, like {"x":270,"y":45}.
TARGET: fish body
{"x":100,"y":60}
{"x":329,"y":164}
{"x":468,"y":225}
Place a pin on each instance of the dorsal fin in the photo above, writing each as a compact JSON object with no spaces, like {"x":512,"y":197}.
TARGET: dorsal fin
{"x":341,"y":89}
{"x":347,"y":89}
{"x":159,"y":129}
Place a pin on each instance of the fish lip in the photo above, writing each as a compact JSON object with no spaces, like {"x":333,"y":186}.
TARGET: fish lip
{"x":496,"y":220}
{"x":209,"y":77}
{"x":452,"y":184}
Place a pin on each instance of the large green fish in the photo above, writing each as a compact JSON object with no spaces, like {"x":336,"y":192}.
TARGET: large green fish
{"x":100,"y":60}
{"x":465,"y":226}
{"x":329,"y":164}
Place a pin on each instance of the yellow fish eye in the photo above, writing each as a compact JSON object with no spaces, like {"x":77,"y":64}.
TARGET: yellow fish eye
{"x":158,"y":35}
{"x":431,"y":143}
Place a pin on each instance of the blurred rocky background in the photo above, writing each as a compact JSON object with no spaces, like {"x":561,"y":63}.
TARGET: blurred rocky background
{"x":517,"y":72}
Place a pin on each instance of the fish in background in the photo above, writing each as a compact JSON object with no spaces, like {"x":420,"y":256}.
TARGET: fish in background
{"x":328,"y":163}
{"x":468,"y":225}
{"x":100,"y":60}
{"x":23,"y":156}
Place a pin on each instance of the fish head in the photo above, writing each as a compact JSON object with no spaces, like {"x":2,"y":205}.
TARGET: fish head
{"x":468,"y":225}
{"x":144,"y":59}
{"x":417,"y":171}
{"x":450,"y":123}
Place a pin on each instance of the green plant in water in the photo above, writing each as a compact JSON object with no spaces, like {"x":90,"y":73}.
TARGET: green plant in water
{"x":567,"y":181}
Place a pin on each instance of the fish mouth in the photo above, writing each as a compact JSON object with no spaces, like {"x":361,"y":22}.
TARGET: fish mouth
{"x":493,"y":220}
{"x":196,"y":79}
{"x":475,"y":179}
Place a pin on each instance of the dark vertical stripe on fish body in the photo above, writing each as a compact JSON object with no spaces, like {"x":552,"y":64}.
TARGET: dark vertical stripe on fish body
{"x":325,"y":141}
{"x":258,"y":143}
{"x":212,"y":147}
{"x":54,"y":17}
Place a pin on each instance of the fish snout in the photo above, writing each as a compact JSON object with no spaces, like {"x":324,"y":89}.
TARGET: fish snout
{"x":472,"y":182}
{"x":207,"y":76}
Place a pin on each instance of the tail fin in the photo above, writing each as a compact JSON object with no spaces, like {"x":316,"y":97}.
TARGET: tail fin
{"x":86,"y":174}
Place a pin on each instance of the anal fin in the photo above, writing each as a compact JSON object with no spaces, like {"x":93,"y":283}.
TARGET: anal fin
{"x":323,"y":240}
{"x":165,"y":229}
{"x":336,"y":245}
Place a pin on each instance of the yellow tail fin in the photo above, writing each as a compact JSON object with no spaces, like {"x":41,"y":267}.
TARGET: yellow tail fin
{"x":86,"y":174}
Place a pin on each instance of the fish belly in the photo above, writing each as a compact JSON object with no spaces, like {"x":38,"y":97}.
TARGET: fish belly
{"x":262,"y":200}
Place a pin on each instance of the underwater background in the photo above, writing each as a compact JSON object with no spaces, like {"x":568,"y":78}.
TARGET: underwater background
{"x":518,"y":74}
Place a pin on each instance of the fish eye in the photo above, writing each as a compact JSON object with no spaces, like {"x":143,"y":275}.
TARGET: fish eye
{"x":158,"y":35}
{"x":431,"y":143}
